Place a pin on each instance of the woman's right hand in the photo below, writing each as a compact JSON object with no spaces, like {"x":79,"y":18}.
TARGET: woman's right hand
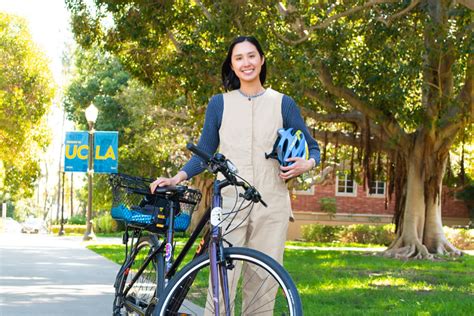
{"x":164,"y":182}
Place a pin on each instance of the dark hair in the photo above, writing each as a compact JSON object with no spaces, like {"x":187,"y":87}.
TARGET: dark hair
{"x":229,"y":79}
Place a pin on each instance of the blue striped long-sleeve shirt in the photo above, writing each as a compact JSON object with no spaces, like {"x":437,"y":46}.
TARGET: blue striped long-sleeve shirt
{"x":209,"y":140}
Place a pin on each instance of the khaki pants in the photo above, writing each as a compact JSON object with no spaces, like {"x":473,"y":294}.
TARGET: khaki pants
{"x":262,"y":231}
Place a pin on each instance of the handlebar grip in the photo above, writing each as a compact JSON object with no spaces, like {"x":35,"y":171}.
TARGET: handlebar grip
{"x":205,"y":156}
{"x":170,"y":189}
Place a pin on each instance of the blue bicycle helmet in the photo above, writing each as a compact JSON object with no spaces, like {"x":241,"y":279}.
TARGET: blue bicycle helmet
{"x":289,"y":144}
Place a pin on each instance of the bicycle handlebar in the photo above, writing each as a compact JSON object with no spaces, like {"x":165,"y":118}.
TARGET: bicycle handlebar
{"x":218,"y":163}
{"x":195,"y":149}
{"x":170,"y":189}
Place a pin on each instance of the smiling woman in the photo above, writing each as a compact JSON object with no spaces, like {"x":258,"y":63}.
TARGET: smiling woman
{"x":244,"y":123}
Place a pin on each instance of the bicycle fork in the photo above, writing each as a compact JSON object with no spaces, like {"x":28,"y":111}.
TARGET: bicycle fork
{"x":218,"y":263}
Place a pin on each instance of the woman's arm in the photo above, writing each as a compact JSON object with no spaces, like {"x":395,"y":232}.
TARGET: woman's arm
{"x":208,"y":142}
{"x":292,"y":118}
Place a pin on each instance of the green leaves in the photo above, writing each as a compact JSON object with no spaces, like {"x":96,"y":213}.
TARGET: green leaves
{"x":26,"y":92}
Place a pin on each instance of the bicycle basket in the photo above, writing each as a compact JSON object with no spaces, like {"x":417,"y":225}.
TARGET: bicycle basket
{"x":137,"y":207}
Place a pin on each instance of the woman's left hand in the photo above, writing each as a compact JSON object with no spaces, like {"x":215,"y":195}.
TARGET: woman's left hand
{"x":300,"y":166}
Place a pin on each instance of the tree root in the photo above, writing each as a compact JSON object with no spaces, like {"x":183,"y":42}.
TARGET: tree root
{"x":414,"y":249}
{"x":444,"y":248}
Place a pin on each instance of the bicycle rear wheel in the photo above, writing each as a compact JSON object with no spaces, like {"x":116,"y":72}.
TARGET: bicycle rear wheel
{"x":135,"y":292}
{"x":260,"y":286}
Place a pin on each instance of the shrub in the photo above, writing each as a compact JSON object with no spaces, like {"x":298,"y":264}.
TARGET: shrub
{"x":320,"y":233}
{"x":368,"y":234}
{"x":77,"y":220}
{"x":467,"y":195}
{"x":357,"y":233}
{"x":460,"y":237}
{"x":105,"y":224}
{"x":69,"y":229}
{"x":328,"y":205}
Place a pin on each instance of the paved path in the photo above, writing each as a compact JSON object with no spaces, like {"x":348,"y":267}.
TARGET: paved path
{"x":50,"y":275}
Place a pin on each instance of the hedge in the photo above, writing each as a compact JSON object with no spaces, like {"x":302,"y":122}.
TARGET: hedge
{"x":69,"y":229}
{"x":376,"y":234}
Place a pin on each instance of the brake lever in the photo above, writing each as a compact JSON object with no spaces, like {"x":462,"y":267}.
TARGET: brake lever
{"x":251,"y":194}
{"x":258,"y":198}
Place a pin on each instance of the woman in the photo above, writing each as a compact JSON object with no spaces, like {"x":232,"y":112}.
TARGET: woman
{"x":243,"y":123}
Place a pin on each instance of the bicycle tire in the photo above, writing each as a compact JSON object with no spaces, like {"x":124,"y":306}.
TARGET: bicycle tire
{"x":140,"y":298}
{"x":192,"y":298}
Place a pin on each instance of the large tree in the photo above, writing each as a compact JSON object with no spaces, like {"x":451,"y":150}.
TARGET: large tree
{"x":26,"y":92}
{"x":400,"y":72}
{"x":411,"y":92}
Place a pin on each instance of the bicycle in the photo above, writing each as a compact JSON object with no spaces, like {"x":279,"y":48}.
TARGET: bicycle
{"x":187,"y":291}
{"x":204,"y":286}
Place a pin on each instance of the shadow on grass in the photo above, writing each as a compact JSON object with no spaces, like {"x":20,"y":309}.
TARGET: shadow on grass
{"x":349,"y":283}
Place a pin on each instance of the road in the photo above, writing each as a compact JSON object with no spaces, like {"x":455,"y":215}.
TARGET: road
{"x":51,"y":275}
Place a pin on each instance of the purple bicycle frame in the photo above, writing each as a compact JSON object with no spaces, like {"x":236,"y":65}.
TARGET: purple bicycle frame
{"x":216,"y":255}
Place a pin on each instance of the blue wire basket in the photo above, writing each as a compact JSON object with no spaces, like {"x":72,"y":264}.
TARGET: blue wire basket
{"x":137,"y":207}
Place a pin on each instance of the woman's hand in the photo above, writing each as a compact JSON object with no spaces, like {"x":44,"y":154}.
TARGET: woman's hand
{"x":165,"y":182}
{"x":299,"y":167}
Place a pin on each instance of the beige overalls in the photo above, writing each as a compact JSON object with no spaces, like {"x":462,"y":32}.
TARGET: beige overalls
{"x":248,"y":131}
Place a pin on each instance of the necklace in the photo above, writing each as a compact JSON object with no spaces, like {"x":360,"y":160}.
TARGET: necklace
{"x":252,"y":96}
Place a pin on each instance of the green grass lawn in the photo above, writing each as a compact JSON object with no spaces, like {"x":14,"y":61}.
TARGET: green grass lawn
{"x":359,"y":283}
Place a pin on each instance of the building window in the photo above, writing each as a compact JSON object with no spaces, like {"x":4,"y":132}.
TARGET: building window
{"x":377,"y":188}
{"x":346,"y":186}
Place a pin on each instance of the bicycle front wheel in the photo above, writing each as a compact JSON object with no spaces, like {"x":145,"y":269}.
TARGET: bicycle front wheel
{"x":257,"y":285}
{"x":136,"y":288}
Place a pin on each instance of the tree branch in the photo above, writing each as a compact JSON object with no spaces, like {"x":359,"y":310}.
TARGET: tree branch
{"x":335,"y":17}
{"x":323,"y":175}
{"x":175,"y":42}
{"x":204,"y":10}
{"x":467,"y":3}
{"x":326,"y":102}
{"x":457,"y":116}
{"x":285,"y":12}
{"x":348,"y":139}
{"x":389,"y":125}
{"x":395,"y":16}
{"x":350,"y":117}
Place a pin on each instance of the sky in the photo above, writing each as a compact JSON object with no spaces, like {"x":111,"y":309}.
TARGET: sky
{"x":48,"y":21}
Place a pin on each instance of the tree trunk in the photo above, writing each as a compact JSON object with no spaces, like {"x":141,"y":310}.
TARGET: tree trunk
{"x":420,"y":230}
{"x":434,"y":238}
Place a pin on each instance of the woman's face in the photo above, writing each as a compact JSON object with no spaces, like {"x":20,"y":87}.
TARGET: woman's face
{"x":246,"y":62}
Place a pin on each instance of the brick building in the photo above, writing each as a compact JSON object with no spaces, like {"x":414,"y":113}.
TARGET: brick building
{"x":354,"y":205}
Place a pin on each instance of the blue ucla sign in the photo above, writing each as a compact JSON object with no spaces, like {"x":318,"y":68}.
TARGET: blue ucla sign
{"x":76,"y":152}
{"x":106,"y":152}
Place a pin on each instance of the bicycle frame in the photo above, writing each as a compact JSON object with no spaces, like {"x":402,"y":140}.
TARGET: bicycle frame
{"x":214,"y":245}
{"x":216,"y":248}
